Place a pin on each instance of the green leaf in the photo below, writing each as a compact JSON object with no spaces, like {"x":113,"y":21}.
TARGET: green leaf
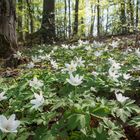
{"x":135,"y":121}
{"x":101,"y":112}
{"x":78,"y":121}
{"x":23,"y":136}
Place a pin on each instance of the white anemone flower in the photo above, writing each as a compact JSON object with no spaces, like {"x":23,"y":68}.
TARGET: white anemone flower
{"x":42,"y":57}
{"x":97,"y":44}
{"x":54,"y":64}
{"x":114,"y":44}
{"x":52,"y":52}
{"x":38,"y":101}
{"x":72,"y":67}
{"x":126,"y":76}
{"x":106,"y":49}
{"x":73,"y":47}
{"x":90,"y":64}
{"x":18,"y":55}
{"x":121,"y":98}
{"x":114,"y":73}
{"x":111,"y":60}
{"x":65,"y":46}
{"x":116,"y":66}
{"x":9,"y":125}
{"x":75,"y":81}
{"x":30,"y":65}
{"x":35,"y":59}
{"x":88,"y":48}
{"x":137,"y":52}
{"x":94,"y":73}
{"x":35,"y":83}
{"x":114,"y":69}
{"x":47,"y":57}
{"x":80,"y":62}
{"x":98,"y":53}
{"x":40,"y":51}
{"x":80,"y":42}
{"x":55,"y":48}
{"x":2,"y":97}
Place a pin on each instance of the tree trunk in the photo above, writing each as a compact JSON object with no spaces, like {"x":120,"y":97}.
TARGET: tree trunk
{"x":69,"y":18}
{"x":48,"y":20}
{"x":137,"y":13}
{"x":30,"y":11}
{"x":65,"y":20}
{"x":107,"y":18}
{"x":75,"y":29}
{"x":20,"y":20}
{"x":123,"y":17}
{"x":131,"y":13}
{"x":8,"y":39}
{"x":98,"y":18}
{"x":82,"y":30}
{"x":92,"y":19}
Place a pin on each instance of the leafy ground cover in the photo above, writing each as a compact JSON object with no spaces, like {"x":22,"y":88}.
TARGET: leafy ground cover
{"x":82,"y":91}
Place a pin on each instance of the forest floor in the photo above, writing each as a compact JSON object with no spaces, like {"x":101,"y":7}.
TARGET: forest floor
{"x":93,"y":60}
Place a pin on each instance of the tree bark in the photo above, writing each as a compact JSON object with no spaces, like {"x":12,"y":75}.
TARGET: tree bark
{"x":107,"y":18}
{"x":48,"y":20}
{"x":137,"y":13}
{"x":92,"y":19}
{"x":131,"y":13}
{"x":30,"y":11}
{"x":20,"y":20}
{"x":8,"y":38}
{"x":98,"y":18}
{"x":75,"y":29}
{"x":65,"y":20}
{"x":123,"y":17}
{"x":69,"y":18}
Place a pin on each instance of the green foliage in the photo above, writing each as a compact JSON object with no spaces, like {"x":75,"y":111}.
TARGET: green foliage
{"x":112,"y":20}
{"x":87,"y":111}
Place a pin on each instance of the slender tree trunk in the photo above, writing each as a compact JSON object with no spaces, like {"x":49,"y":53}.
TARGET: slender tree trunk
{"x":82,"y":28}
{"x":26,"y":26}
{"x":107,"y":18}
{"x":65,"y":20}
{"x":20,"y":21}
{"x":123,"y":17}
{"x":92,"y":19}
{"x":69,"y":18}
{"x":30,"y":11}
{"x":131,"y":13}
{"x":8,"y":38}
{"x":98,"y":18}
{"x":137,"y":13}
{"x":75,"y":29}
